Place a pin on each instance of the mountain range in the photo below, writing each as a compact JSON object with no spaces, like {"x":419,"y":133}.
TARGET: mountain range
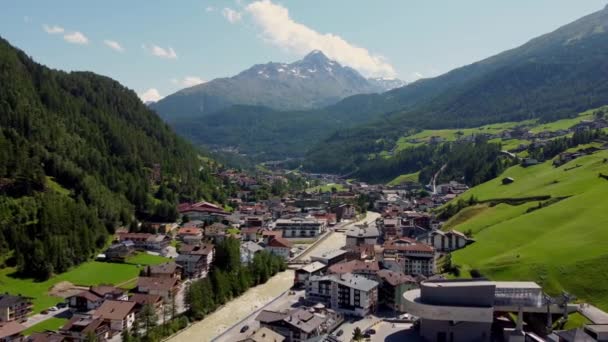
{"x":313,"y":82}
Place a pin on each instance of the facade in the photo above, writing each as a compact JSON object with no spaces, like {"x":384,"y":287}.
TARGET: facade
{"x":348,"y":294}
{"x":410,"y":256}
{"x":79,"y":327}
{"x":300,"y":227}
{"x":166,"y":270}
{"x":164,"y":287}
{"x":362,"y":235}
{"x":279,"y":246}
{"x":248,"y":250}
{"x":445,"y":241}
{"x":119,"y":314}
{"x":392,"y":287}
{"x":14,"y":308}
{"x":304,"y":273}
{"x":92,"y":298}
{"x":462,"y":310}
{"x":145,"y":241}
{"x":195,"y":260}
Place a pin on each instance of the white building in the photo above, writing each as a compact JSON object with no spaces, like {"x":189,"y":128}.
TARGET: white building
{"x":348,"y":294}
{"x":300,"y":227}
{"x":445,"y":241}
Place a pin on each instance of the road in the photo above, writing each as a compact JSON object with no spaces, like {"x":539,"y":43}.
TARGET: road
{"x":39,"y":317}
{"x":237,"y":309}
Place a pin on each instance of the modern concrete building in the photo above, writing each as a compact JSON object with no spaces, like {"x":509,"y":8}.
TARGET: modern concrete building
{"x":300,"y":227}
{"x":461,"y":310}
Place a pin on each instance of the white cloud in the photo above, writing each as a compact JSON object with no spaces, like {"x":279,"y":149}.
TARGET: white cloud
{"x":231,"y":15}
{"x":76,"y":38}
{"x":53,"y":29}
{"x":279,"y":29}
{"x":114,"y":45}
{"x":158,"y":51}
{"x":188,"y":81}
{"x":151,"y":94}
{"x":209,"y":9}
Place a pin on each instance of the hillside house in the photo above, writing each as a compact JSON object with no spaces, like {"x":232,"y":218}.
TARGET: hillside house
{"x":203,"y":211}
{"x":445,"y":241}
{"x":94,"y":297}
{"x":279,"y":246}
{"x":196,"y":260}
{"x":119,"y":314}
{"x":81,"y":327}
{"x":14,"y":308}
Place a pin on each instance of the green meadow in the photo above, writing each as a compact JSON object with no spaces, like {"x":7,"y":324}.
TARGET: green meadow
{"x":86,"y":274}
{"x":562,"y":245}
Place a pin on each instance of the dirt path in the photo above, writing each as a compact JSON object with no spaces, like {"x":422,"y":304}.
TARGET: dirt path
{"x":237,"y":309}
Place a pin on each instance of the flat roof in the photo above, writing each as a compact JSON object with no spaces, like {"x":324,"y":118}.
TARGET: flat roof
{"x":498,"y":284}
{"x":330,"y":255}
{"x":313,"y":267}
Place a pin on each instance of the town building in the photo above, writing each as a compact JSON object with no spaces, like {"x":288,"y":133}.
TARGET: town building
{"x":279,"y":246}
{"x":305,"y":272}
{"x":301,"y":324}
{"x":264,"y":335}
{"x":248,"y":250}
{"x":409,"y":256}
{"x":368,"y":269}
{"x":195,"y":260}
{"x":190,"y":235}
{"x":119,"y":314}
{"x":362,"y":235}
{"x":14,"y":308}
{"x":348,"y":294}
{"x":11,"y":331}
{"x":464,"y":310}
{"x":81,"y":327}
{"x":300,"y":227}
{"x":203,"y":211}
{"x":392,"y":287}
{"x":331,"y":257}
{"x":145,"y":241}
{"x":445,"y":241}
{"x":164,"y":287}
{"x":166,"y":270}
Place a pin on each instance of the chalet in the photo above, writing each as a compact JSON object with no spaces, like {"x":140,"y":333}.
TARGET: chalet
{"x":216,"y":232}
{"x":164,"y":287}
{"x":361,"y":252}
{"x":119,"y":252}
{"x":142,"y":299}
{"x":250,"y":233}
{"x":166,"y":270}
{"x":445,"y":241}
{"x":190,"y":235}
{"x":94,"y":297}
{"x":49,"y":336}
{"x":195,"y":261}
{"x":14,"y":308}
{"x":119,"y":314}
{"x":299,"y":324}
{"x":203,"y":211}
{"x":264,"y":335}
{"x":279,"y":246}
{"x":367,"y":269}
{"x":146,"y":241}
{"x":80,"y":327}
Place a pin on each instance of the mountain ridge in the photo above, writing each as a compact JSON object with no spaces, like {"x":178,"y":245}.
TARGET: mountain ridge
{"x":315,"y":81}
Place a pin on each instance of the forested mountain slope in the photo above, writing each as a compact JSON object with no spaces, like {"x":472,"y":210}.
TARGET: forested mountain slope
{"x":553,"y":76}
{"x":79,"y":155}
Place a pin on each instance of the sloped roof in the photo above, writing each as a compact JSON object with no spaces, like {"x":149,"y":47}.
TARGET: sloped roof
{"x":115,"y":309}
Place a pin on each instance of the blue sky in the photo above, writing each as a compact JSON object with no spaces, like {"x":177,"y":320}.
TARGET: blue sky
{"x":158,"y":47}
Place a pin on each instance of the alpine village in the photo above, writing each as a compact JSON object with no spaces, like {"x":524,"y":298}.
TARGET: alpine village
{"x":304,"y":202}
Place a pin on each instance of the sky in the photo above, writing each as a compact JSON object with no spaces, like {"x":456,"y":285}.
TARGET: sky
{"x":157,"y":47}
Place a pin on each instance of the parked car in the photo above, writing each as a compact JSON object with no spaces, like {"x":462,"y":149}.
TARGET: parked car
{"x":371,"y":331}
{"x":244,"y":328}
{"x":340,"y":332}
{"x":62,"y":305}
{"x":53,"y":308}
{"x":44,"y":312}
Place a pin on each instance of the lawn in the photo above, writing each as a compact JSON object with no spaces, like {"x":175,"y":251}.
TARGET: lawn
{"x":327,"y":187}
{"x":52,"y":324}
{"x":561,"y":246}
{"x":410,"y":177}
{"x":86,"y":274}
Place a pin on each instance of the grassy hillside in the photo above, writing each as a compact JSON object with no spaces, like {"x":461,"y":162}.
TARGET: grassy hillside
{"x":409,"y":177}
{"x":562,"y":245}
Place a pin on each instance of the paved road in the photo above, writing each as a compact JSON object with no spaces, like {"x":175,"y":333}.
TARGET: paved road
{"x":593,"y":314}
{"x":37,"y":318}
{"x":237,"y":309}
